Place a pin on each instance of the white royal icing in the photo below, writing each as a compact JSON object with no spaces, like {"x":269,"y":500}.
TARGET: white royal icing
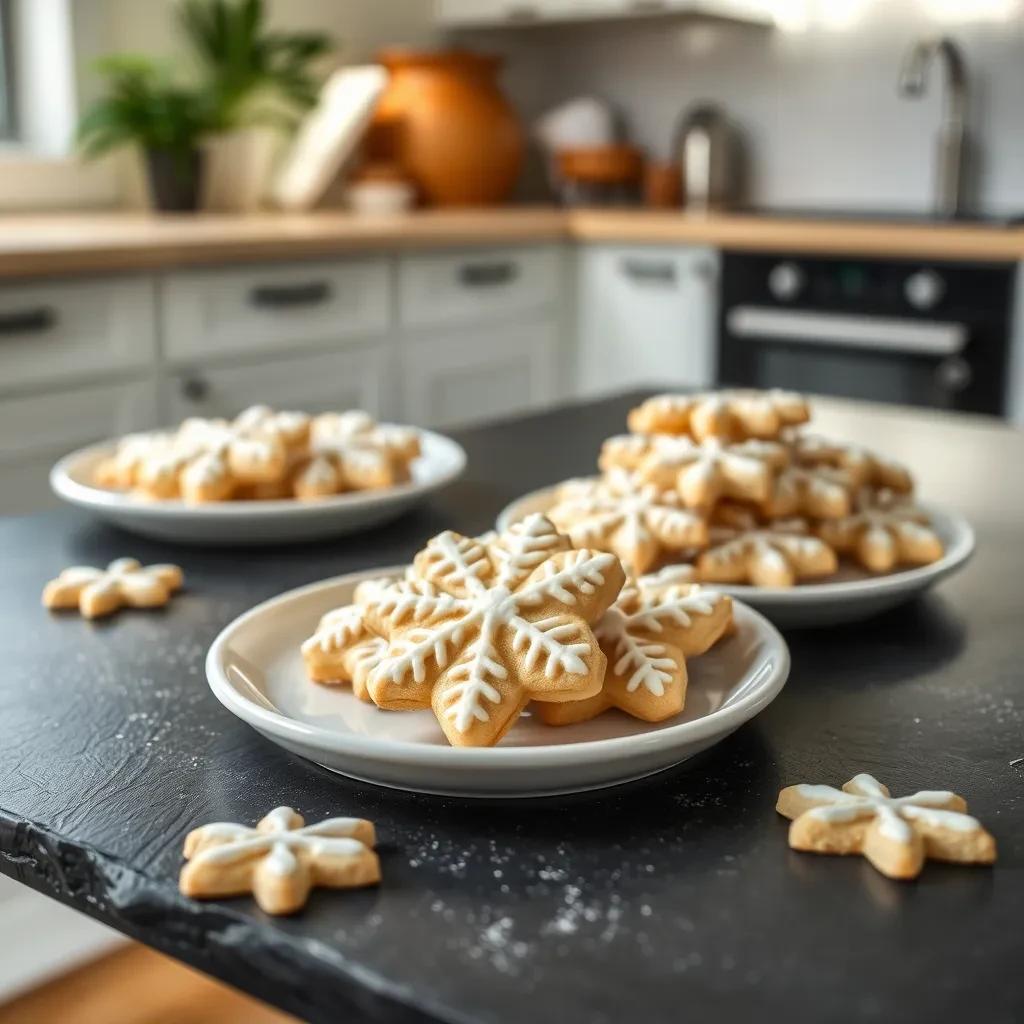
{"x":894,"y":815}
{"x":463,"y":629}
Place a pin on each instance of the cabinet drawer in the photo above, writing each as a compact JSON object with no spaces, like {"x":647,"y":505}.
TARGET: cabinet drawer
{"x":475,"y":285}
{"x":36,"y":431}
{"x":463,"y":378}
{"x":62,"y":330}
{"x":359,"y":379}
{"x":59,"y":421}
{"x":212,"y":313}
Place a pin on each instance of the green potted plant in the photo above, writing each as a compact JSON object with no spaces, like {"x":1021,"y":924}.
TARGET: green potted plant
{"x":260,"y":82}
{"x":143,"y":106}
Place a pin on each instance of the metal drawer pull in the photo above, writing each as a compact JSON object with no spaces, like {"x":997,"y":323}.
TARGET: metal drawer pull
{"x":284,"y":296}
{"x":23,"y":321}
{"x":884,"y":334}
{"x":486,"y":274}
{"x":650,"y":271}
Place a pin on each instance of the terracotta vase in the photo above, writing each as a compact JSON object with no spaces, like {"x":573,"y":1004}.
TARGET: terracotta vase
{"x":444,"y":120}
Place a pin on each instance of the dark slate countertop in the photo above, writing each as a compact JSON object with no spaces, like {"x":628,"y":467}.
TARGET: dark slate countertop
{"x":669,"y":899}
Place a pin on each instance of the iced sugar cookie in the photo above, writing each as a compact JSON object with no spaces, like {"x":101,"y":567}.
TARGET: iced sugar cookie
{"x":896,"y":834}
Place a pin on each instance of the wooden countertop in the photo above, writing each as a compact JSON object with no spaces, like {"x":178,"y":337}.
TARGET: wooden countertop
{"x":96,"y":242}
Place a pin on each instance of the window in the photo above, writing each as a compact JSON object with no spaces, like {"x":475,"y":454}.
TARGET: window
{"x":7,"y":119}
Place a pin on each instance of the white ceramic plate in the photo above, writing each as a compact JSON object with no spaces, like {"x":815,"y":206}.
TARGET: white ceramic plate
{"x":849,"y":596}
{"x":256,"y":672}
{"x":256,"y":522}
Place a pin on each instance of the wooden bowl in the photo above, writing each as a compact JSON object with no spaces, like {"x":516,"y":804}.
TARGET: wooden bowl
{"x":604,"y":165}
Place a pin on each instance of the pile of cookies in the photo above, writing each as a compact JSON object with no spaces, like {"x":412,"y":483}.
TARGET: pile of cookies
{"x":481,"y":626}
{"x":262,"y":454}
{"x":728,"y":487}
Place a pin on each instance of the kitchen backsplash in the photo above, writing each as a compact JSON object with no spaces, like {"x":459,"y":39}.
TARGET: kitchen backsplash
{"x":815,"y":99}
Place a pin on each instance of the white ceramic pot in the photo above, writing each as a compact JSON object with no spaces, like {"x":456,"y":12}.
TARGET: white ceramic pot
{"x":236,"y":170}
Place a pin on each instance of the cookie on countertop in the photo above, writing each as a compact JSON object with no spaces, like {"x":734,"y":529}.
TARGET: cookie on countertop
{"x":124,"y":583}
{"x":896,"y":834}
{"x":280,"y":860}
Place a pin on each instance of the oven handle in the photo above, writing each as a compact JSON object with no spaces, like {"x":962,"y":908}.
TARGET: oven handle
{"x":926,"y":338}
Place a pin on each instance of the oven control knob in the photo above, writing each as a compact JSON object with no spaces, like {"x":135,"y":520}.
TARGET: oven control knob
{"x":785,"y":281}
{"x":924,"y":289}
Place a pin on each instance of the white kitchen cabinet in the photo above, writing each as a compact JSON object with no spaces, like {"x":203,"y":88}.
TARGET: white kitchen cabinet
{"x":354,"y":379}
{"x":476,"y":284}
{"x":211,"y":314}
{"x":36,"y":430}
{"x":469,"y":13}
{"x":57,"y":331}
{"x":461,"y":377}
{"x":646,"y":316}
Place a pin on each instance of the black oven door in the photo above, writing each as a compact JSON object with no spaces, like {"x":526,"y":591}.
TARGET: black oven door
{"x":883,"y":359}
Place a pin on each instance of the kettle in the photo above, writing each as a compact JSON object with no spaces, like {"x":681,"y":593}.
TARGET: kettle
{"x":706,"y":150}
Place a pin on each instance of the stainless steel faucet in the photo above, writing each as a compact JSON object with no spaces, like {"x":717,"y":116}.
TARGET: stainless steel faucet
{"x":950,"y":144}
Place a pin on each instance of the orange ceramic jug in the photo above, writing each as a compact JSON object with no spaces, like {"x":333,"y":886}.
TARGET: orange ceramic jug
{"x":444,"y":120}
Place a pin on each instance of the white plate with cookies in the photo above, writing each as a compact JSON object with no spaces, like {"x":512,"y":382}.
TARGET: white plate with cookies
{"x":848,"y":595}
{"x":256,"y":522}
{"x":256,"y":670}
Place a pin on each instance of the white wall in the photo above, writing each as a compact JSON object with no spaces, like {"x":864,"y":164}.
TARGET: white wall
{"x":815,"y":98}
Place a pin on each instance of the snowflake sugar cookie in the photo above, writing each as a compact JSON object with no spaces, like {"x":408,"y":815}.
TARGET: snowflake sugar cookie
{"x":125,"y":582}
{"x":350,"y":451}
{"x":494,"y":626}
{"x":880,"y":539}
{"x":731,"y":415}
{"x":635,"y":520}
{"x":280,"y":860}
{"x":344,"y":649}
{"x":863,"y":468}
{"x":896,"y":835}
{"x":774,"y":554}
{"x":648,"y":633}
{"x":818,"y":491}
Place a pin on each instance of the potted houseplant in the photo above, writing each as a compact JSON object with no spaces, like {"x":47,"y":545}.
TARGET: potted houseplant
{"x":259,"y":82}
{"x":143,"y":106}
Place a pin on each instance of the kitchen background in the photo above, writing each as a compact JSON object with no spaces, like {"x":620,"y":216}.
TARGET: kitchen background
{"x":451,"y":318}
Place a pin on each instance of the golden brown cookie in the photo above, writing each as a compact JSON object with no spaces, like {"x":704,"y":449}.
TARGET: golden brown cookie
{"x":729,"y":415}
{"x":638,"y":521}
{"x":863,"y":468}
{"x":896,"y":835}
{"x":280,"y":860}
{"x":647,"y":635}
{"x":124,"y":583}
{"x":820,"y":492}
{"x":774,"y":554}
{"x":880,"y":539}
{"x":489,"y":627}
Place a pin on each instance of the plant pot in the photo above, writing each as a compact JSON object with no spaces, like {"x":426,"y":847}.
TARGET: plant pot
{"x":236,"y":169}
{"x":444,"y":121}
{"x":174,"y":179}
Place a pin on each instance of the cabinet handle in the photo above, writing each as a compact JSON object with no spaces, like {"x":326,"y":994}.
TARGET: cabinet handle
{"x":477,"y":275}
{"x":649,"y":271}
{"x":284,"y":296}
{"x":24,"y":320}
{"x":195,"y":389}
{"x":648,"y":6}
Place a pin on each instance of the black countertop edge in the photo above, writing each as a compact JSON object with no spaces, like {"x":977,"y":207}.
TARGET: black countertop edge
{"x":289,"y":973}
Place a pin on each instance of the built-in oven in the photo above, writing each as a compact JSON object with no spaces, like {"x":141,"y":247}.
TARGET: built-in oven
{"x":932,"y":334}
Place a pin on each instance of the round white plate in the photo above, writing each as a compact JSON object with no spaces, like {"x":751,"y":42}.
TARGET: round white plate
{"x":849,"y":596}
{"x":256,"y":671}
{"x":256,"y":522}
